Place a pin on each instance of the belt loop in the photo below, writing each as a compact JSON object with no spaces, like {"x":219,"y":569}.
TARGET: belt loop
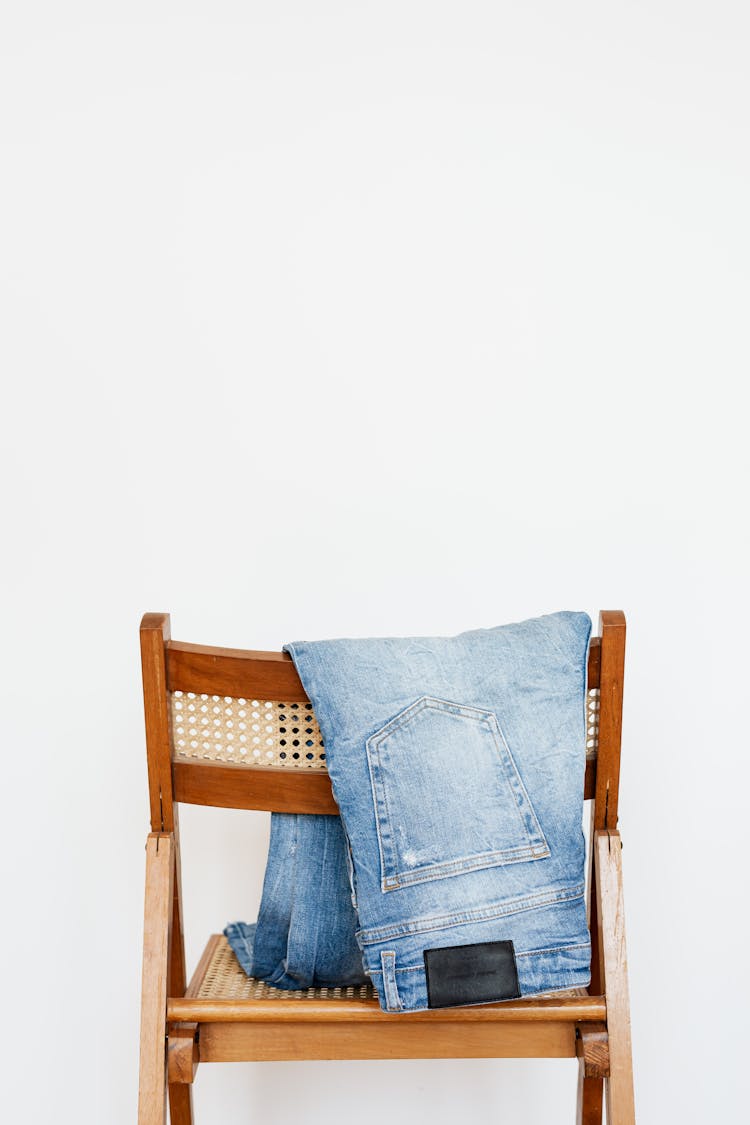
{"x":390,"y":988}
{"x":349,"y":866}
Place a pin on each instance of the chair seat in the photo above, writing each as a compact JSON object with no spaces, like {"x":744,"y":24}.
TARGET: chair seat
{"x":221,"y":991}
{"x":224,"y":979}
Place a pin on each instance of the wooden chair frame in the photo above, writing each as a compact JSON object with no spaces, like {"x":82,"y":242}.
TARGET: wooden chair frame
{"x":179,"y":1030}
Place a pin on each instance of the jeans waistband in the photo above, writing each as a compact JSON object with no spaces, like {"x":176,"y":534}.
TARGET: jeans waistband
{"x":478,"y":914}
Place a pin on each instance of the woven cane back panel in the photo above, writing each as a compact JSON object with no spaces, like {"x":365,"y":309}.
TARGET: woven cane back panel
{"x":260,"y":732}
{"x":592,"y":720}
{"x":251,"y":732}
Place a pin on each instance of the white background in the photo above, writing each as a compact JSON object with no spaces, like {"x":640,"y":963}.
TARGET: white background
{"x":327,"y":319}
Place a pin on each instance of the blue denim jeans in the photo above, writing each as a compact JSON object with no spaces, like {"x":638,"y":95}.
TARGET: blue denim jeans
{"x":457,"y":764}
{"x":305,"y":933}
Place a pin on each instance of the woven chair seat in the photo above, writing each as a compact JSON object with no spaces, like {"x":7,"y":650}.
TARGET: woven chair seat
{"x":225,"y":979}
{"x":221,"y":977}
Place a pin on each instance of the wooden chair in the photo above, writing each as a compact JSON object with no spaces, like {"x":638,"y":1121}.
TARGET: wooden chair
{"x":212,"y":734}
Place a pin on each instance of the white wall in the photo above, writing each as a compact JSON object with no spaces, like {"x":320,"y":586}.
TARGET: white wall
{"x":357,"y":318}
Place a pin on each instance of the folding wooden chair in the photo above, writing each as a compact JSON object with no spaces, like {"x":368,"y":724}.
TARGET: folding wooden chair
{"x":213,"y":719}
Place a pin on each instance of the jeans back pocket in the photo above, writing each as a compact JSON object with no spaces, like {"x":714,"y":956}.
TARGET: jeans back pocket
{"x":448,"y":796}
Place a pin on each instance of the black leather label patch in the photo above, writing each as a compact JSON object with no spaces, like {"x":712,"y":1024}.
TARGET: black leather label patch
{"x":471,"y":974}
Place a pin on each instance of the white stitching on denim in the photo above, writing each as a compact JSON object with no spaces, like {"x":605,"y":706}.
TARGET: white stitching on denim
{"x":529,"y":953}
{"x":466,"y":863}
{"x":524,"y":791}
{"x":375,"y":811}
{"x":555,"y":949}
{"x":494,"y":910}
{"x":411,"y":969}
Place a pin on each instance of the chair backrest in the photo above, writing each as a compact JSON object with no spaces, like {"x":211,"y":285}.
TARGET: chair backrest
{"x":234,"y":728}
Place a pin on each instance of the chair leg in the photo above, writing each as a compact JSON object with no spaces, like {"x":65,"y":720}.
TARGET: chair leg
{"x":180,"y":1093}
{"x":182,"y":1065}
{"x":152,"y":1090}
{"x":619,"y":1083}
{"x":590,"y":1098}
{"x":592,"y":1048}
{"x":180,"y":1103}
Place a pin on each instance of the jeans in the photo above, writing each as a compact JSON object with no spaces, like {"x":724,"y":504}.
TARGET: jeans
{"x":305,"y":933}
{"x":457,"y":764}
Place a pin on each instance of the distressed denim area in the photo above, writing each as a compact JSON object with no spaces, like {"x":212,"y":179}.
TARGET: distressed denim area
{"x":457,"y":764}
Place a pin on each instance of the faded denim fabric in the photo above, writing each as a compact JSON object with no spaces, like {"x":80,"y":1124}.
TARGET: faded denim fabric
{"x":305,"y":933}
{"x":457,"y":764}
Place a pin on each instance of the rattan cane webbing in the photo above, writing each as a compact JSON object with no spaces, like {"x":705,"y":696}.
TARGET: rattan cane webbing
{"x":260,"y":732}
{"x":251,"y":732}
{"x":225,"y":979}
{"x":592,"y":720}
